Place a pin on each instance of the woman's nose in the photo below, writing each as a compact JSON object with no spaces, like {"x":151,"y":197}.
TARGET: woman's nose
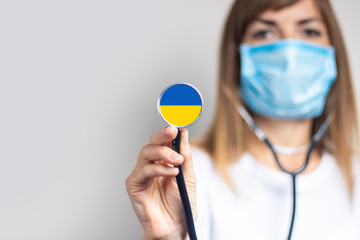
{"x":289,"y":32}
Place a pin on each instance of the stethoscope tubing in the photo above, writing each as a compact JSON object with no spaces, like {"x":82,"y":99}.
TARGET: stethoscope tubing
{"x":183,"y":192}
{"x":262,"y":136}
{"x":293,"y":175}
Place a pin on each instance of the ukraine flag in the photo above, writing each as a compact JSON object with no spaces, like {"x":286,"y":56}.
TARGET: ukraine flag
{"x":180,"y":105}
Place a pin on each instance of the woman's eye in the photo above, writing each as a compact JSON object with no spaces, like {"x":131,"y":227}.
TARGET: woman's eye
{"x":312,"y":33}
{"x":262,"y":34}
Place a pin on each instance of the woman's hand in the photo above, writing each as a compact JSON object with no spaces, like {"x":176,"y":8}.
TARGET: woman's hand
{"x":153,"y":190}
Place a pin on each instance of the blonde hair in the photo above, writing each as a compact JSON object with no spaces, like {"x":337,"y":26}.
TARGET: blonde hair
{"x":228,"y":136}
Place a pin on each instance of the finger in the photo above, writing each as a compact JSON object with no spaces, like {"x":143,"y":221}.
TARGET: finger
{"x":164,"y":136}
{"x":185,"y":151}
{"x":151,"y":171}
{"x":159,"y":153}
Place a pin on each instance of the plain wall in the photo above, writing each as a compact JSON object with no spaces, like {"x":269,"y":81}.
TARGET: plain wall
{"x":79,"y":81}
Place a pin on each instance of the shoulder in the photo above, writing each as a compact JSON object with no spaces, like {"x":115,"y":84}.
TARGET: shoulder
{"x":356,"y":174}
{"x":356,"y":193}
{"x":203,"y":164}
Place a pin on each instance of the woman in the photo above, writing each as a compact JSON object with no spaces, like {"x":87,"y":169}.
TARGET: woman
{"x":284,"y":62}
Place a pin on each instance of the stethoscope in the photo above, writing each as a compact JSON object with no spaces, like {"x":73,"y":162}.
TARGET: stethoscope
{"x":258,"y":132}
{"x":275,"y":148}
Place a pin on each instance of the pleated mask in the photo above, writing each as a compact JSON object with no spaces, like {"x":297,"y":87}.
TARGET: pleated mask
{"x":287,"y":79}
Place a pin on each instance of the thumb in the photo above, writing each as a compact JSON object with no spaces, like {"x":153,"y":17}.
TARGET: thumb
{"x":185,"y":151}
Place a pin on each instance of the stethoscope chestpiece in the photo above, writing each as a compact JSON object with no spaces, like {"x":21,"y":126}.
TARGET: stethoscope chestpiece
{"x":180,"y":105}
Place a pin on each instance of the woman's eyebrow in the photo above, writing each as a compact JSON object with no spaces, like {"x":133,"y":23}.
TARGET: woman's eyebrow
{"x":300,"y":22}
{"x":266,"y":21}
{"x":305,"y":21}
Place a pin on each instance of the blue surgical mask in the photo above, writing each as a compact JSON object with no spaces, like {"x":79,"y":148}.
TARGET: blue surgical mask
{"x":287,"y":79}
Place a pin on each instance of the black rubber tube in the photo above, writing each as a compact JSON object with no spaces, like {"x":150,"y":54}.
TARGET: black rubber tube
{"x":294,"y":207}
{"x":183,"y":192}
{"x":293,"y":175}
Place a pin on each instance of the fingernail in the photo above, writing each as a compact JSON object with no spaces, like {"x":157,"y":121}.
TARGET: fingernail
{"x":175,"y":156}
{"x":173,"y":170}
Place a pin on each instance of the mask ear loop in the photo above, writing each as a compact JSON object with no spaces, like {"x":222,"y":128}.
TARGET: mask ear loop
{"x":261,"y":135}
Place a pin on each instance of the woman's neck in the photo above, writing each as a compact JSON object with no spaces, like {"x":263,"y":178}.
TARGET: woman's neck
{"x":287,"y":133}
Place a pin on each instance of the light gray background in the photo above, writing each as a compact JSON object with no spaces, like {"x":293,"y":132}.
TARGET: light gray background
{"x":79,"y":81}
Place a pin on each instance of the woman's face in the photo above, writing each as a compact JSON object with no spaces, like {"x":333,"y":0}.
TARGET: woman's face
{"x":299,"y":21}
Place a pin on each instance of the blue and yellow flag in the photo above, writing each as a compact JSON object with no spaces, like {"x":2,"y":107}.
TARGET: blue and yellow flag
{"x":180,"y":105}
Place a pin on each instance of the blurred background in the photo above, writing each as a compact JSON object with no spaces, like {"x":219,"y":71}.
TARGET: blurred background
{"x":79,"y":81}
